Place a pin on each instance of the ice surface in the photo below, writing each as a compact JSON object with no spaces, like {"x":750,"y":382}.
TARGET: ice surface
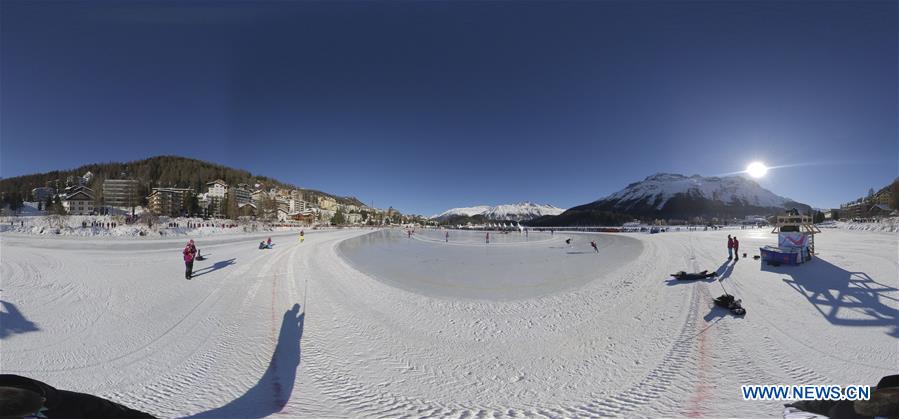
{"x":513,"y":266}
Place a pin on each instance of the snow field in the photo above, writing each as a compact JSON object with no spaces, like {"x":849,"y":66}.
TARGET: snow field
{"x":118,"y":320}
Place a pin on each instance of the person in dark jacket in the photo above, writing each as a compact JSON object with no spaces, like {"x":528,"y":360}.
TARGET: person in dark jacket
{"x":736,"y":248}
{"x":22,"y":397}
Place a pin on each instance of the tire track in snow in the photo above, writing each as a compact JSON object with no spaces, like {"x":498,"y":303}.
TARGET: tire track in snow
{"x":336,"y":382}
{"x":202,"y":362}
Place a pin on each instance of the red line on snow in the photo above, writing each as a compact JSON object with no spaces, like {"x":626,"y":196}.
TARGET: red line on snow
{"x":700,"y":392}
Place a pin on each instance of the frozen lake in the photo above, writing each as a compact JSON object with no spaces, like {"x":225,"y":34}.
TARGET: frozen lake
{"x":512,"y":266}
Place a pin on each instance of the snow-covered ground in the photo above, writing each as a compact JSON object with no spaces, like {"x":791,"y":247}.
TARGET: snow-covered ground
{"x":115,"y":226}
{"x":298,"y":330}
{"x":886,"y":225}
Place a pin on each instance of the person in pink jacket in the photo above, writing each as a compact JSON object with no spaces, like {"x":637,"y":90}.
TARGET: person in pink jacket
{"x":189,"y":252}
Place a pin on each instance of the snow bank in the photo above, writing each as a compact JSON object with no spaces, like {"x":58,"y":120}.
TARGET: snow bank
{"x":890,"y":225}
{"x":117,"y":226}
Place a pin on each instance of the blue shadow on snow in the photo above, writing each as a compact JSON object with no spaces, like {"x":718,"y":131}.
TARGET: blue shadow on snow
{"x":12,"y":321}
{"x":215,"y":266}
{"x":835,"y":292}
{"x":271,"y":393}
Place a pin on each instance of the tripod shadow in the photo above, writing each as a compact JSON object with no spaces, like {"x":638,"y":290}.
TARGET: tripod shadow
{"x":844,"y":298}
{"x":725,"y":270}
{"x":271,"y":393}
{"x":12,"y":321}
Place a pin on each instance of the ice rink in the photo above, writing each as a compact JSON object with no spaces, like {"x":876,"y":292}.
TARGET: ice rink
{"x":356,"y":323}
{"x":512,"y":266}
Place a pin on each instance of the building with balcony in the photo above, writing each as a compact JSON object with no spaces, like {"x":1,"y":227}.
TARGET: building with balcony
{"x":173,"y":202}
{"x":120,"y":193}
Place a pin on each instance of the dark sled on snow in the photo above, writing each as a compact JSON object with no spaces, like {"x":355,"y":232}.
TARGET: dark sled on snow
{"x":729,"y":302}
{"x":684,"y":276}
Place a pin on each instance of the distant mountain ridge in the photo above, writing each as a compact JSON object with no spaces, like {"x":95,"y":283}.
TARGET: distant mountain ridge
{"x":675,"y":196}
{"x":521,"y":211}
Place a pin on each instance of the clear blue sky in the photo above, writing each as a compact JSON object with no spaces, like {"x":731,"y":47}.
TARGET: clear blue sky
{"x":430,"y":105}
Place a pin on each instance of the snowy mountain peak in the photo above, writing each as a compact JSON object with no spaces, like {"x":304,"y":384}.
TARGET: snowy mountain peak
{"x":660,"y":188}
{"x":520,"y":211}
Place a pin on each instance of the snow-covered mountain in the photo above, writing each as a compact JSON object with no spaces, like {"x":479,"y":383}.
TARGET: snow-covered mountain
{"x":521,"y":211}
{"x":667,"y":195}
{"x":659,"y":189}
{"x":464,"y":211}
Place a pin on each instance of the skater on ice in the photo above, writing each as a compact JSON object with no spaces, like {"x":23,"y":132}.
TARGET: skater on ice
{"x":736,"y":249}
{"x":568,"y":241}
{"x":302,"y":236}
{"x":447,"y":236}
{"x":189,"y":252}
{"x":593,"y":244}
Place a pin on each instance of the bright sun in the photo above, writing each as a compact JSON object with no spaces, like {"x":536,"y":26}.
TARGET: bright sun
{"x":757,"y":169}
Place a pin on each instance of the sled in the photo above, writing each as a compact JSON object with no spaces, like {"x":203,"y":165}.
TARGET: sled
{"x":729,"y":302}
{"x":684,"y":276}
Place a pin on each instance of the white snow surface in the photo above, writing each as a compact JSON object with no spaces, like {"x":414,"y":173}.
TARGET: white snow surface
{"x":890,"y":224}
{"x":50,"y":225}
{"x":727,"y":189}
{"x":519,"y":211}
{"x":299,"y":332}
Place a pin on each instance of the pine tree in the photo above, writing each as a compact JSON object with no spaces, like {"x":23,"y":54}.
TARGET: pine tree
{"x":338,"y":218}
{"x":57,"y":207}
{"x":231,"y":206}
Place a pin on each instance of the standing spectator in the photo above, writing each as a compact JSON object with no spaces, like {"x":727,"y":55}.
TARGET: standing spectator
{"x":190,"y":251}
{"x":730,"y":247}
{"x":736,"y":248}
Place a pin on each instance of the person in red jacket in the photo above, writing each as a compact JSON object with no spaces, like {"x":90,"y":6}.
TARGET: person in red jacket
{"x":730,"y":247}
{"x":189,"y":252}
{"x":23,"y":397}
{"x":736,"y":248}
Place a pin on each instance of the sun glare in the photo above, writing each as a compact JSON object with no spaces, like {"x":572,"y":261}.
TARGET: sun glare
{"x":757,"y":169}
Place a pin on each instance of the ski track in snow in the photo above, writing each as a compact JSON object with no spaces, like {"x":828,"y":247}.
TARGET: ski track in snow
{"x":127,"y":326}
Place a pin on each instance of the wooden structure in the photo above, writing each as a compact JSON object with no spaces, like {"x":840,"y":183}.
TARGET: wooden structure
{"x":795,"y":239}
